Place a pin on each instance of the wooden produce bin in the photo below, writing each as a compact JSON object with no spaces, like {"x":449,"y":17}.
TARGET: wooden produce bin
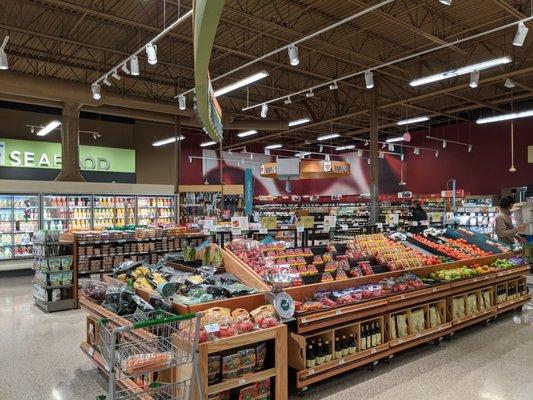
{"x":277,"y":335}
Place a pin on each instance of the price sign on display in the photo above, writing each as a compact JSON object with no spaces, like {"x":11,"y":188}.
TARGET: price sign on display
{"x":379,"y":225}
{"x":424,"y":223}
{"x":263,"y":230}
{"x":344,"y":227}
{"x":414,"y":223}
{"x":212,"y":328}
{"x":236,"y":231}
{"x":299,"y":228}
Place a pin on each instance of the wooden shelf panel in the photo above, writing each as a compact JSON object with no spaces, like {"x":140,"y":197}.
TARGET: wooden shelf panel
{"x":514,"y":303}
{"x":241,"y":381}
{"x":242,"y":340}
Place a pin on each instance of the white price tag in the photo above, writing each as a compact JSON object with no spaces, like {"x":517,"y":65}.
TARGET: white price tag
{"x":379,"y":225}
{"x":212,"y":328}
{"x":242,"y":382}
{"x":424,"y":223}
{"x":304,"y":320}
{"x":338,"y":312}
{"x":344,"y":227}
{"x":417,"y":335}
{"x":400,"y":341}
{"x":373,"y":351}
{"x":206,"y":231}
{"x":236,"y":231}
{"x":434,"y":290}
{"x":311,"y":371}
{"x":402,"y":297}
{"x":91,"y":351}
{"x":414,"y":223}
{"x":263,"y":231}
{"x":391,"y":225}
{"x":341,"y":361}
{"x":299,"y":229}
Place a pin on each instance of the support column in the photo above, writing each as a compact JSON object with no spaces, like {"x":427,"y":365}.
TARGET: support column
{"x":177,"y":155}
{"x":374,"y":158}
{"x":70,"y":144}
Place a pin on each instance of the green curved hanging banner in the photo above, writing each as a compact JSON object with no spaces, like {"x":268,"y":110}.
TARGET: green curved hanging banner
{"x":205,"y":22}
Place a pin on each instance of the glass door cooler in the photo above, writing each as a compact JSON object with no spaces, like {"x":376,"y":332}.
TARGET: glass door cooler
{"x":166,"y":210}
{"x":146,"y":210}
{"x":6,"y":227}
{"x":79,"y":212}
{"x":25,"y":223}
{"x":105,"y":212}
{"x":126,"y":214}
{"x":55,"y":212}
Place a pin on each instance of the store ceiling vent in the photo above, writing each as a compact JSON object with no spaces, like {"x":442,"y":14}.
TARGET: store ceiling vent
{"x":288,"y":169}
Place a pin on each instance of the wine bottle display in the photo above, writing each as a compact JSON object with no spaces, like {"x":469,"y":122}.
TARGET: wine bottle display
{"x":311,"y":360}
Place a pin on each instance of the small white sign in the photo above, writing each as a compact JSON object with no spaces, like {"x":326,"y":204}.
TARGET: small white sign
{"x":236,"y":231}
{"x":91,"y":351}
{"x":414,"y":223}
{"x":379,"y":225}
{"x":299,"y":228}
{"x":263,"y":231}
{"x":212,"y":328}
{"x":344,"y":227}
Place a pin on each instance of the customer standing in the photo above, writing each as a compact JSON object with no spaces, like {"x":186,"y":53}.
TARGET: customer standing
{"x":418,"y":215}
{"x":505,"y":230}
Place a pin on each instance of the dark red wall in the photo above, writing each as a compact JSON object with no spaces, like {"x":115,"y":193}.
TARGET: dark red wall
{"x":483,"y":171}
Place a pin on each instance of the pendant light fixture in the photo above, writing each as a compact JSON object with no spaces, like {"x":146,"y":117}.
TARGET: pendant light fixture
{"x":474,"y":79}
{"x":134,"y":65}
{"x":151,"y":53}
{"x":264,"y":110}
{"x":513,"y":168}
{"x":182,"y":101}
{"x":4,"y":64}
{"x":521,"y":33}
{"x":293,"y":55}
{"x":369,"y":79}
{"x":95,"y":87}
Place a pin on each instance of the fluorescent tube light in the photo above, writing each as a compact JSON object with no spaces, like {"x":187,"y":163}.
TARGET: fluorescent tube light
{"x":162,"y":142}
{"x":505,"y":117}
{"x":48,"y":128}
{"x":134,"y":65}
{"x":347,"y":147}
{"x":206,"y":144}
{"x":273,"y":146}
{"x":446,"y":2}
{"x":413,"y":120}
{"x":461,"y":71}
{"x":334,"y":86}
{"x":247,"y":133}
{"x":243,"y":82}
{"x":299,"y":121}
{"x":395,"y":139}
{"x":4,"y":64}
{"x":327,"y":137}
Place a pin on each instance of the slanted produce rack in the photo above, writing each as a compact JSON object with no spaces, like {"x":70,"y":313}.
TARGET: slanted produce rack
{"x":439,"y":297}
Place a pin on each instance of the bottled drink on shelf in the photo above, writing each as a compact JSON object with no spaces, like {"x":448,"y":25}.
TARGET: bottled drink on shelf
{"x":351,"y":345}
{"x":345,"y":347}
{"x":378,"y":334}
{"x":328,"y":355}
{"x":320,"y":353}
{"x":310,"y":361}
{"x":373,"y":336}
{"x":338,"y":348}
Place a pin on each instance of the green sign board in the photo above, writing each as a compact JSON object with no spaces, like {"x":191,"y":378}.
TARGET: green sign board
{"x":33,"y":154}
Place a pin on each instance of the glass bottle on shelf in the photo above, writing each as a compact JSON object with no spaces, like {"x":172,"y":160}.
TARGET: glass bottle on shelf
{"x":310,"y":361}
{"x":351,"y":345}
{"x":319,"y":353}
{"x":338,"y":348}
{"x":345,"y":347}
{"x":327,"y":352}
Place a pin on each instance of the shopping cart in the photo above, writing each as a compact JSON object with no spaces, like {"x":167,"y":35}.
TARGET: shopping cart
{"x":144,"y":351}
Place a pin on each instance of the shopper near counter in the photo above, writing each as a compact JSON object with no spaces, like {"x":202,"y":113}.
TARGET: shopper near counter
{"x":505,"y":230}
{"x":418,"y":215}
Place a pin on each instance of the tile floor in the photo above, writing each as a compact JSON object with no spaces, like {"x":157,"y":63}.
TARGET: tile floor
{"x":40,"y":359}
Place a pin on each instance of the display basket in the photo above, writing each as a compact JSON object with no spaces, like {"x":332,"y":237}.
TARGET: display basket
{"x":145,"y":343}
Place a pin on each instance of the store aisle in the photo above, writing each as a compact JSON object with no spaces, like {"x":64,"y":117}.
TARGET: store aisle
{"x":40,"y":353}
{"x":491,"y":363}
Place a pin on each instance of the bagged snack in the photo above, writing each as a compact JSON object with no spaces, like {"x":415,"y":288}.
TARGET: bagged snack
{"x":141,"y":363}
{"x":66,"y":278}
{"x":213,"y":369}
{"x":458,"y":308}
{"x":260,"y":356}
{"x":56,"y":294}
{"x":248,"y":358}
{"x":432,"y":317}
{"x":247,"y":393}
{"x":55,"y":279}
{"x":43,"y":265}
{"x":471,"y":304}
{"x":54,"y":264}
{"x":66,"y":263}
{"x":230,"y":366}
{"x":393,"y":334}
{"x":401,"y":321}
{"x":486,"y":299}
{"x":417,"y":321}
{"x":262,"y":391}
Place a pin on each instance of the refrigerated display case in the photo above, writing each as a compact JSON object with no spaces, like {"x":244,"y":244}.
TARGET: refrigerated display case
{"x":166,"y":210}
{"x":146,"y":210}
{"x":6,"y":227}
{"x":55,"y":212}
{"x":79,"y":212}
{"x":26,"y":216}
{"x":113,"y":211}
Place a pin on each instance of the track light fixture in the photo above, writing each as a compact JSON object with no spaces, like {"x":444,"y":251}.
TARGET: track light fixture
{"x":369,"y":79}
{"x":444,"y":144}
{"x":287,"y":101}
{"x":310,"y":94}
{"x":267,"y":152}
{"x":470,"y":148}
{"x":327,"y":157}
{"x":4,"y":63}
{"x":360,"y":153}
{"x":366,"y":143}
{"x":521,"y":33}
{"x":95,"y":87}
{"x":391,"y":147}
{"x":115,"y":75}
{"x":333,"y":86}
{"x":474,"y":79}
{"x":509,"y":84}
{"x":293,"y":55}
{"x":446,"y":2}
{"x":151,"y":53}
{"x":125,"y":68}
{"x":381,"y":155}
{"x":320,"y":149}
{"x":436,"y":154}
{"x":264,"y":110}
{"x":384,"y":145}
{"x":182,"y":101}
{"x":190,"y":160}
{"x":134,"y":65}
{"x":416,"y":151}
{"x":106,"y":81}
{"x":368,"y":161}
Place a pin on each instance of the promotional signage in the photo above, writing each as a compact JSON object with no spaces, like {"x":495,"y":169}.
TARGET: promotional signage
{"x":405,"y":195}
{"x":46,"y":155}
{"x":248,"y":191}
{"x":449,"y":193}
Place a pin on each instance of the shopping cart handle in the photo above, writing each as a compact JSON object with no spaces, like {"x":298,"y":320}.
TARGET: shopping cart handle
{"x":165,"y":320}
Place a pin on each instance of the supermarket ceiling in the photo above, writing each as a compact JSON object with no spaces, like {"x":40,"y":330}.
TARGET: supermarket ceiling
{"x":78,"y":40}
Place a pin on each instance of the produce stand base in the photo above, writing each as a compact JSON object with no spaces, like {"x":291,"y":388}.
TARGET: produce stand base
{"x":51,"y":306}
